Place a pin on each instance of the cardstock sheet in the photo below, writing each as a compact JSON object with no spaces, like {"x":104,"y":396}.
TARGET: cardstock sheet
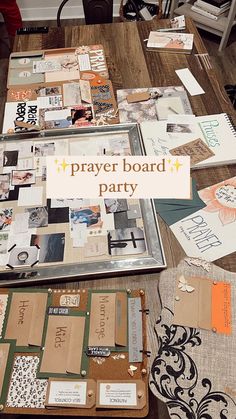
{"x":30,"y":196}
{"x":26,"y":318}
{"x":173,"y":210}
{"x":63,"y":345}
{"x":189,"y":82}
{"x":102,"y":319}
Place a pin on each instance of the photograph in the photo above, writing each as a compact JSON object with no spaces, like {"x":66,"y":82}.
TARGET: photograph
{"x":91,"y":216}
{"x":5,"y":218}
{"x":38,"y":217}
{"x":44,"y":149}
{"x":23,"y":177}
{"x":126,"y":241}
{"x":3,"y":243}
{"x":179,"y":128}
{"x":4,"y":187}
{"x":23,"y":256}
{"x":48,"y":91}
{"x":82,"y":116}
{"x":10,"y":158}
{"x":51,"y":246}
{"x":115,"y":205}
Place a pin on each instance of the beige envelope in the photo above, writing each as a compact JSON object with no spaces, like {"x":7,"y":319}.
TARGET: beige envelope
{"x":63,"y":345}
{"x":193,"y":309}
{"x":26,"y":318}
{"x":102,"y":319}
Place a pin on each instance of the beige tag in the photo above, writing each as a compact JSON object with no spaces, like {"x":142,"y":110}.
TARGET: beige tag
{"x":102,"y":319}
{"x":63,"y":392}
{"x":4,"y":351}
{"x":138,"y":97}
{"x":196,"y":149}
{"x":125,"y":394}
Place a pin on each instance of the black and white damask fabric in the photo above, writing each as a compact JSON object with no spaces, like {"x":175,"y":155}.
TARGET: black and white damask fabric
{"x":193,"y":370}
{"x":25,"y":389}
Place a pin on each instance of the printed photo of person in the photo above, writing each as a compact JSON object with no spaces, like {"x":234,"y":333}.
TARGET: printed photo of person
{"x":4,"y":187}
{"x":82,"y":116}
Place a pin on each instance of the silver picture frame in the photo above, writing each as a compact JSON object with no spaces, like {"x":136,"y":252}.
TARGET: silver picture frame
{"x":154,"y":259}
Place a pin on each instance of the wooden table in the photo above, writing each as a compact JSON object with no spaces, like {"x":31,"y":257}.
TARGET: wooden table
{"x":130,"y":66}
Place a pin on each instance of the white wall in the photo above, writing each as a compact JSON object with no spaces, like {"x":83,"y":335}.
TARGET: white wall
{"x":47,"y":9}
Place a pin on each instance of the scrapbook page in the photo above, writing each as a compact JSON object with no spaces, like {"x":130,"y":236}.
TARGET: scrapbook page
{"x":152,"y":103}
{"x":77,"y":351}
{"x":37,"y":232}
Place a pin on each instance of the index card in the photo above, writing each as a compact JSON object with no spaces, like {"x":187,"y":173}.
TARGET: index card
{"x":189,"y":82}
{"x":30,"y":196}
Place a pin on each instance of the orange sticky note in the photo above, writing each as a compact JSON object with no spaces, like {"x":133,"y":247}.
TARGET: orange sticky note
{"x":221,"y":307}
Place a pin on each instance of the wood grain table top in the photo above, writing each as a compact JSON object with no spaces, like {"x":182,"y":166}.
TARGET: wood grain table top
{"x":130,"y":65}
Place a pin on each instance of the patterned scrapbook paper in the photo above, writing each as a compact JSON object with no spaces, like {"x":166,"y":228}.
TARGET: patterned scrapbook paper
{"x":25,"y":389}
{"x":3,"y":306}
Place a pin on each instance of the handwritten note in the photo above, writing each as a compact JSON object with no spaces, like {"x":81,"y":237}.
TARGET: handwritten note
{"x":196,"y":149}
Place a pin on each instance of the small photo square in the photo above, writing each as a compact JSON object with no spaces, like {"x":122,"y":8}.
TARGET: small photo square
{"x":23,"y":177}
{"x":4,"y":187}
{"x":10,"y":158}
{"x":115,"y":205}
{"x":91,"y":216}
{"x":5,"y":218}
{"x":38,"y":217}
{"x":23,"y":256}
{"x":3,"y":243}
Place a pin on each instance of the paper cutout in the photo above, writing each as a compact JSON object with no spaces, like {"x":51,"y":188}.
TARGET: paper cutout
{"x":183,"y":285}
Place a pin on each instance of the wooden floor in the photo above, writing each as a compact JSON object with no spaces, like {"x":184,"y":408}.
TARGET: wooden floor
{"x":223,"y":62}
